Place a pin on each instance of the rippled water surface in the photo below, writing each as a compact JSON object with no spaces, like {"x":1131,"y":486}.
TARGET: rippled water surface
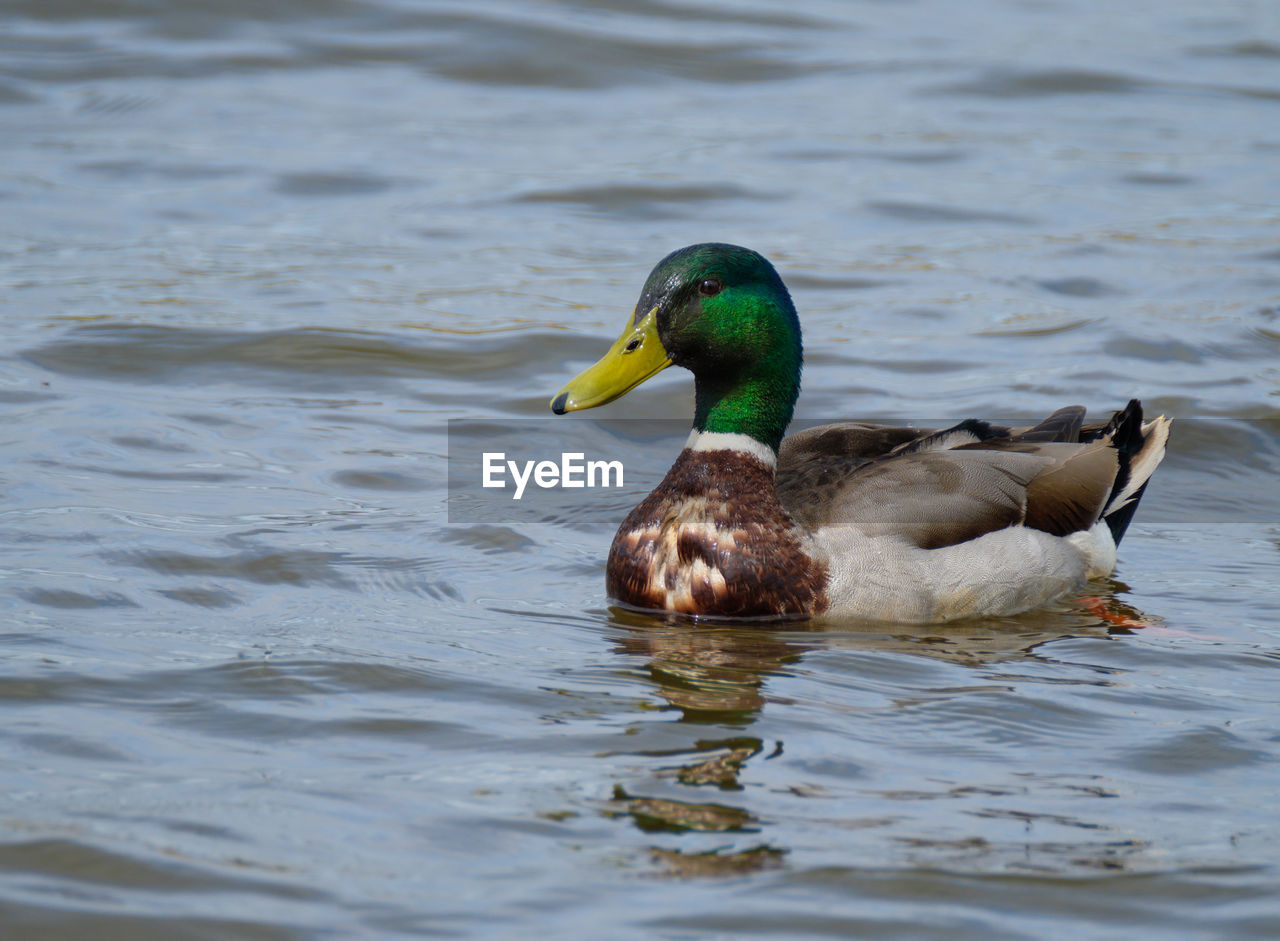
{"x":259,"y":678}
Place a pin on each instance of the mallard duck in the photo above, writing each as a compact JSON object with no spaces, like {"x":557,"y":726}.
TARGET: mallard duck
{"x":845,"y":520}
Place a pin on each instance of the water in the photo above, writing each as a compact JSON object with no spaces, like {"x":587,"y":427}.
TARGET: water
{"x":258,"y":681}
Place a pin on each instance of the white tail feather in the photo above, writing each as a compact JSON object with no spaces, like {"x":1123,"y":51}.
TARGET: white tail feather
{"x":1155,"y":435}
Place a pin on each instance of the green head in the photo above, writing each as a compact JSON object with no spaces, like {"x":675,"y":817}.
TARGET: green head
{"x":722,"y":312}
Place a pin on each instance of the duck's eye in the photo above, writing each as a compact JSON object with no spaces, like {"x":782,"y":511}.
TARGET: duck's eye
{"x":710,"y":287}
{"x":632,"y":346}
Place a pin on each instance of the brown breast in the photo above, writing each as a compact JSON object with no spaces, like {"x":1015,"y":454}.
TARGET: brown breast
{"x":712,"y":539}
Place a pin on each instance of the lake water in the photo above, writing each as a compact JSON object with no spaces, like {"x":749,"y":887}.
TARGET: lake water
{"x":262,"y":265}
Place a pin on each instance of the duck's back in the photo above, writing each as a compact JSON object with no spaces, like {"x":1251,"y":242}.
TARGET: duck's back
{"x":938,"y":488}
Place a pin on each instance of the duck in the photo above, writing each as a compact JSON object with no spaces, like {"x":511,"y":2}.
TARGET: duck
{"x":846,"y":520}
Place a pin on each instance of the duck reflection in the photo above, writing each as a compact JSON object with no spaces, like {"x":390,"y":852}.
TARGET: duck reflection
{"x":717,"y":673}
{"x":714,"y":675}
{"x":717,"y":677}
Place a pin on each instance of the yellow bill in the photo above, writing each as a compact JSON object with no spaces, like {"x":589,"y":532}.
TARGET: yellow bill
{"x":634,"y":357}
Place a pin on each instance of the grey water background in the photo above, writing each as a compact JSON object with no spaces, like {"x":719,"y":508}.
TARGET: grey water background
{"x":254,"y":683}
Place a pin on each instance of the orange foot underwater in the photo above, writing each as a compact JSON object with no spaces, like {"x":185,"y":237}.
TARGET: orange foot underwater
{"x":1114,"y":612}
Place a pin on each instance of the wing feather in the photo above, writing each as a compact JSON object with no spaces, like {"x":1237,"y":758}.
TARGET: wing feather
{"x":940,"y":488}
